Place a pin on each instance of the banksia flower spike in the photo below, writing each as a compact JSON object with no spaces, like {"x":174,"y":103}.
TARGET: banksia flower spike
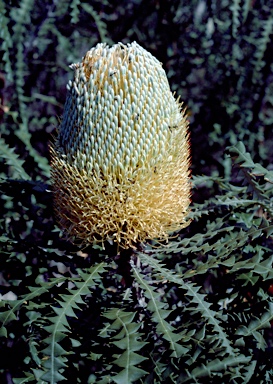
{"x":120,"y":162}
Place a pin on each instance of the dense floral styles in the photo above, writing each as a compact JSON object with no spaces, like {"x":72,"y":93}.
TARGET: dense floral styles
{"x":120,"y":163}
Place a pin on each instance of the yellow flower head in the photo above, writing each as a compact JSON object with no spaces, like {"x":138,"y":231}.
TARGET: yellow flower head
{"x":120,"y":163}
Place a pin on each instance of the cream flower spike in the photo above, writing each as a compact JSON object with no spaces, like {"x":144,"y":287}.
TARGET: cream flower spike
{"x":120,"y":163}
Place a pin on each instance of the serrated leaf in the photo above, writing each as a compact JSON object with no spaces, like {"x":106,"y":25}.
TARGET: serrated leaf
{"x":8,"y":316}
{"x":159,"y":314}
{"x":60,"y":327}
{"x":13,"y":160}
{"x":129,"y":340}
{"x":52,"y":377}
{"x":129,"y":376}
{"x":202,"y":307}
{"x":123,"y":360}
{"x":215,"y":365}
{"x":256,"y":324}
{"x":58,"y":350}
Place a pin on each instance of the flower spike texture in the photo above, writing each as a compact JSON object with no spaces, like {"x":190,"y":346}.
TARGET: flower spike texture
{"x":120,"y":162}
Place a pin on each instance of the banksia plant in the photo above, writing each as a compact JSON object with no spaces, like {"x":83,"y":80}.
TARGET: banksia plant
{"x":120,"y":162}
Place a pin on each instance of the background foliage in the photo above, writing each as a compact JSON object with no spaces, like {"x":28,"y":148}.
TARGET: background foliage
{"x":198,"y":309}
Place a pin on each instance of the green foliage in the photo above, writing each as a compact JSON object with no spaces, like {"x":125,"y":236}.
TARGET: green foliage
{"x":59,"y":326}
{"x":6,"y":42}
{"x":15,"y":305}
{"x":197,"y":309}
{"x":13,"y":161}
{"x":159,"y":314}
{"x":127,"y":341}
